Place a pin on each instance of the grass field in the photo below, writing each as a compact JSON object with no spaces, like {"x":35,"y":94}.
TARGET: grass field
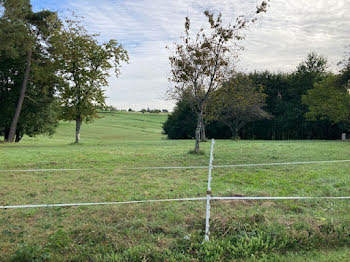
{"x":311,"y":230}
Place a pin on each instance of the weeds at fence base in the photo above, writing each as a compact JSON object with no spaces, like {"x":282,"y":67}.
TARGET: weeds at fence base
{"x":232,"y":239}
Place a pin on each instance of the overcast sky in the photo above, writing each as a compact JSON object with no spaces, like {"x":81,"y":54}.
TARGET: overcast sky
{"x":278,"y":41}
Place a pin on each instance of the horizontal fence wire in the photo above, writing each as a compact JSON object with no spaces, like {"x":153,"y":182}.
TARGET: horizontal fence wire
{"x":106,"y":168}
{"x":284,"y":163}
{"x":52,"y":170}
{"x":277,"y":198}
{"x":105,"y":203}
{"x":175,"y":167}
{"x":173,"y":200}
{"x":166,"y":167}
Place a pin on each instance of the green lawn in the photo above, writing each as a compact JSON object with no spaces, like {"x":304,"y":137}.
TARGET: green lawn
{"x":311,"y":230}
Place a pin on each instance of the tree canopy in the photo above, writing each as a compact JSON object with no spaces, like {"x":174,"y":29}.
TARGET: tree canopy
{"x":50,"y":70}
{"x":237,"y":103}
{"x":330,"y":99}
{"x":84,"y":66}
{"x":27,"y":75}
{"x":203,"y":62}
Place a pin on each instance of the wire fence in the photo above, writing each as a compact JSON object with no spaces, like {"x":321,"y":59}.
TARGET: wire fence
{"x":209,"y":194}
{"x":173,"y":167}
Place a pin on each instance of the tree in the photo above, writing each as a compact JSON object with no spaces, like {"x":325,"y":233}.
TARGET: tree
{"x":202,"y":63}
{"x":238,"y":102}
{"x":181,"y":123}
{"x":329,"y":100}
{"x":84,"y":65}
{"x":310,"y":71}
{"x":284,"y":92}
{"x":344,"y":76}
{"x":27,"y":43}
{"x":15,"y":27}
{"x":39,"y":110}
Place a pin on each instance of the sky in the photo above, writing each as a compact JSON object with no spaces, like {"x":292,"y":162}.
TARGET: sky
{"x":278,"y":41}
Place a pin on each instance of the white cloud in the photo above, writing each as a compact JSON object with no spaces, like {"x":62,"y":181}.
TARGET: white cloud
{"x":278,"y":41}
{"x":291,"y":29}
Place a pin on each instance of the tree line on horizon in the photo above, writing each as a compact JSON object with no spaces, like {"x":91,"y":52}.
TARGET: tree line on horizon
{"x":310,"y":102}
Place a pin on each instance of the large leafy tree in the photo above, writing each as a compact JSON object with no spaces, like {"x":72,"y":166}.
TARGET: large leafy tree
{"x":284,"y":92}
{"x":237,"y":103}
{"x":275,"y":86}
{"x":312,"y":70}
{"x":27,"y":76}
{"x":85,"y":66}
{"x":329,"y":99}
{"x":202,"y":63}
{"x":39,"y":111}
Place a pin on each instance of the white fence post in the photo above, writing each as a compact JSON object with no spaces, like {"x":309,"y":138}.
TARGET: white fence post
{"x":207,"y":213}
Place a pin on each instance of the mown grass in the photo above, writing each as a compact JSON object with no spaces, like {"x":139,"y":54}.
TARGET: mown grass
{"x":312,"y":230}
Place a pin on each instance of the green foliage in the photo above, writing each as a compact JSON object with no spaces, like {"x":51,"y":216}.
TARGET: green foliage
{"x":284,"y":93}
{"x":202,"y":62}
{"x":26,"y":30}
{"x":283,"y":96}
{"x":328,"y":100}
{"x":237,"y":103}
{"x":242,"y":247}
{"x":15,"y":28}
{"x":84,"y":65}
{"x":181,"y":124}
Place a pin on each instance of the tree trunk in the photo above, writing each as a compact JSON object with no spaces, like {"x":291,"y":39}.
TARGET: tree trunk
{"x":198,"y":134}
{"x":236,"y":133}
{"x":21,"y":98}
{"x":18,"y":136}
{"x":232,"y":131}
{"x":77,"y":129}
{"x":203,"y":138}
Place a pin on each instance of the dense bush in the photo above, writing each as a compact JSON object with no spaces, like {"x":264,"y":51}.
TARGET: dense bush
{"x":181,"y":124}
